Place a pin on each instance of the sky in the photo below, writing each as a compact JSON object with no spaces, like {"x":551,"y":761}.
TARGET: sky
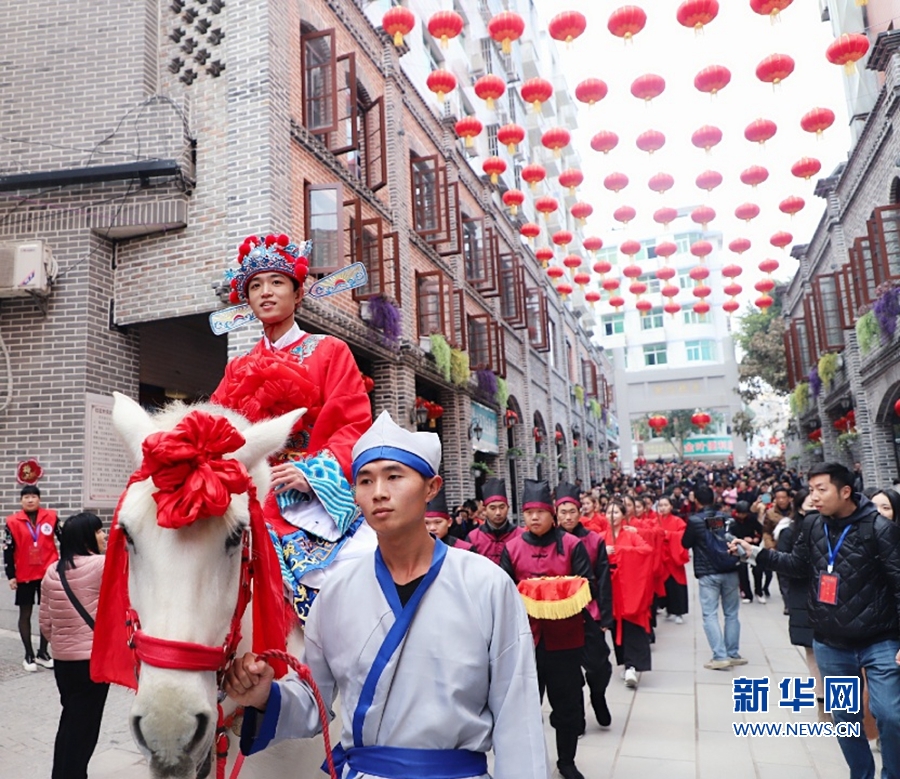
{"x":738,"y":39}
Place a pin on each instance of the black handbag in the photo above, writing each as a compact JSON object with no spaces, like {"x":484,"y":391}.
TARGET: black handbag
{"x":75,"y":602}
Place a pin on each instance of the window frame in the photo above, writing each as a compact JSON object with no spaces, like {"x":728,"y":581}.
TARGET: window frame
{"x":488,"y":362}
{"x":786,"y":338}
{"x":375,"y":110}
{"x":308,"y":189}
{"x":329,"y":67}
{"x":445,"y":301}
{"x":877,"y":237}
{"x":822,"y":315}
{"x":846,"y":296}
{"x":864,"y":271}
{"x":541,"y":345}
{"x":655,"y":347}
{"x":809,"y":315}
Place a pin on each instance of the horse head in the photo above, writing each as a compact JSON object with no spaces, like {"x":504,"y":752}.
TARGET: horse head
{"x":184,"y":519}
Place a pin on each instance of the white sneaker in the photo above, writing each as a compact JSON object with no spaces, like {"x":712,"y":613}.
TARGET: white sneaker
{"x":746,"y":600}
{"x":29,"y":665}
{"x":631,"y":678}
{"x":762,"y":598}
{"x":679,"y":620}
{"x":45,"y":661}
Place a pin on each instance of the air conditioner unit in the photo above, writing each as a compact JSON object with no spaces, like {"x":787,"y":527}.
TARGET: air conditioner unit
{"x":24,"y":268}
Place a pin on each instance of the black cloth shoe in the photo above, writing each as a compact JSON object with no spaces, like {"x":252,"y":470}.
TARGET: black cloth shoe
{"x":601,"y":712}
{"x":569,"y":771}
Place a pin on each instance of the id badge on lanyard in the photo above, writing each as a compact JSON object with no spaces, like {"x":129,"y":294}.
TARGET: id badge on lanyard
{"x":827,"y":591}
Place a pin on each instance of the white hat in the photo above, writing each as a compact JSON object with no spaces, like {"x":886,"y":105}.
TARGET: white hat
{"x":386,"y":440}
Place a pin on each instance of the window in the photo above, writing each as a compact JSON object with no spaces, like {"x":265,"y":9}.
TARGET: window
{"x":613,"y":324}
{"x":655,"y":354}
{"x":693,"y":318}
{"x":435,"y":304}
{"x":652,"y":320}
{"x":589,"y":378}
{"x":789,"y":356}
{"x":435,"y":202}
{"x":479,"y":248}
{"x":700,"y":351}
{"x":809,"y":316}
{"x":684,"y":279}
{"x":325,"y":227}
{"x":372,"y":153}
{"x":827,"y":311}
{"x":479,"y":341}
{"x":884,"y":235}
{"x":380,"y":253}
{"x":493,"y":144}
{"x":319,"y":65}
{"x":512,"y":286}
{"x":846,"y":290}
{"x":864,"y":270}
{"x":538,"y":328}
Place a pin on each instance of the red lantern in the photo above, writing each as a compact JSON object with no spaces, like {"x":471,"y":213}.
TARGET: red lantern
{"x":512,"y":199}
{"x":775,"y":68}
{"x":505,"y":28}
{"x":806,"y":167}
{"x":581,"y":279}
{"x":571,"y":178}
{"x":441,"y":82}
{"x":741,"y":245}
{"x":712,"y":79}
{"x":665,"y":249}
{"x":657,"y":422}
{"x":897,"y":408}
{"x":701,"y":419}
{"x":665,"y":273}
{"x":763,"y":302}
{"x":791,"y":205}
{"x":730,"y":306}
{"x":445,"y":25}
{"x":703,"y":215}
{"x":708,"y":180}
{"x":732,"y":271}
{"x":544,"y":255}
{"x":468,"y":127}
{"x":555,"y":272}
{"x":489,"y":88}
{"x":631,"y":271}
{"x":494,"y":167}
{"x":699,"y":273}
{"x":701,"y":308}
{"x":615,"y":182}
{"x":665,"y":216}
{"x":650,"y":141}
{"x":769,"y":265}
{"x":706,"y":137}
{"x":511,"y":135}
{"x":627,"y":21}
{"x":672,"y":307}
{"x":562,"y":238}
{"x":536,"y":91}
{"x":669,"y":290}
{"x":637,"y":288}
{"x":781,"y":239}
{"x":648,"y":86}
{"x":592,"y":296}
{"x":630,"y":248}
{"x":617,"y":301}
{"x":701,"y":249}
{"x":397,"y":22}
{"x":754,"y":175}
{"x":530,"y":230}
{"x":733,"y":289}
{"x":747,"y":211}
{"x":644,"y":306}
{"x":581,"y":211}
{"x":817,"y":121}
{"x":546,"y":205}
{"x":556,"y":138}
{"x":593,"y":244}
{"x":769,"y":7}
{"x":624,"y":214}
{"x":567,"y":26}
{"x":591,"y":90}
{"x":533,"y":174}
{"x":847,"y":50}
{"x":760,"y":131}
{"x":764,"y":285}
{"x":661,"y":182}
{"x":697,"y":13}
{"x":564,"y":289}
{"x":610,"y":285}
{"x":572,"y":261}
{"x":604,"y":141}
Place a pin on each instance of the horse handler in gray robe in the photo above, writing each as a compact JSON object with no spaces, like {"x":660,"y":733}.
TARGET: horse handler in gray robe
{"x":428,"y":646}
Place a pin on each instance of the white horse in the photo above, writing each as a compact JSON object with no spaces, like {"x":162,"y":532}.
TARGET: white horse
{"x":183,"y":583}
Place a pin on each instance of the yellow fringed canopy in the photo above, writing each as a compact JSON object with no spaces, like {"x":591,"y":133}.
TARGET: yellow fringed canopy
{"x":555,"y":597}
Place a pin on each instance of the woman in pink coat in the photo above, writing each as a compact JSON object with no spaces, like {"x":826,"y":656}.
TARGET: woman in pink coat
{"x":71,"y":636}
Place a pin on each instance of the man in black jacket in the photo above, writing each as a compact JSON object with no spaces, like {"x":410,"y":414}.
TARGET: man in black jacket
{"x":851,"y":557}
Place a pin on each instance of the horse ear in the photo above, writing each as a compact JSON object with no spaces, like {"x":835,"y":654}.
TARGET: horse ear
{"x":266,"y":437}
{"x":132,"y":423}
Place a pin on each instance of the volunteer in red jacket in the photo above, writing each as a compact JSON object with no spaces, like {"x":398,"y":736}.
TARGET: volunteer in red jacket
{"x":29,"y":549}
{"x":489,"y":538}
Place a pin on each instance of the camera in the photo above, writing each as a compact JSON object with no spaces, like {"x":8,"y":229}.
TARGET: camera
{"x":741,"y":552}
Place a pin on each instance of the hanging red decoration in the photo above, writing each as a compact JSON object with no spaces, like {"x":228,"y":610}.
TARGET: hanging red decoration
{"x":791,"y":205}
{"x":708,"y":180}
{"x":530,"y":231}
{"x":701,"y":308}
{"x":511,"y":135}
{"x":712,"y":79}
{"x":701,"y":249}
{"x":669,"y":291}
{"x":817,"y":121}
{"x":806,"y":167}
{"x":701,"y":291}
{"x":591,"y":90}
{"x":846,"y":50}
{"x":610,"y":285}
{"x":769,"y":8}
{"x":703,"y":215}
{"x":546,"y":205}
{"x":665,"y":273}
{"x":564,"y":289}
{"x":747,"y":211}
{"x":630,"y":248}
{"x":665,"y":249}
{"x":602,"y":267}
{"x":643,"y":306}
{"x":764,"y":286}
{"x":555,"y":272}
{"x":617,"y":301}
{"x":536,"y":91}
{"x":445,"y":25}
{"x":556,"y":138}
{"x":512,"y":199}
{"x":775,"y":68}
{"x":699,"y":273}
{"x":769,"y":265}
{"x":657,"y":422}
{"x":665,"y":216}
{"x":562,"y":238}
{"x":581,"y":211}
{"x":572,"y":261}
{"x":672,"y":308}
{"x":760,"y":131}
{"x":706,"y":137}
{"x":701,"y":419}
{"x":781,"y":239}
{"x":441,"y":82}
{"x":763,"y":302}
{"x":571,"y":178}
{"x":637,"y":288}
{"x":397,"y":22}
{"x":490,"y":88}
{"x":730,"y":306}
{"x":615,"y":182}
{"x":592,"y":296}
{"x":897,"y":408}
{"x":661,"y":182}
{"x":567,"y":26}
{"x":624,"y":214}
{"x":754,"y":175}
{"x":592,"y":243}
{"x":468,"y":127}
{"x":732,"y":289}
{"x":650,"y":141}
{"x":604,"y":141}
{"x":544,"y":255}
{"x":505,"y":28}
{"x":732,"y":271}
{"x":534,"y":174}
{"x":697,"y":13}
{"x":494,"y":167}
{"x":741,"y":245}
{"x":648,"y":86}
{"x":627,"y":21}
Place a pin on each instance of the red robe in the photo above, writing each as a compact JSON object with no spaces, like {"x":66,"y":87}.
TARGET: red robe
{"x":675,"y":556}
{"x":631,"y":562}
{"x":596,"y":522}
{"x":491,"y":544}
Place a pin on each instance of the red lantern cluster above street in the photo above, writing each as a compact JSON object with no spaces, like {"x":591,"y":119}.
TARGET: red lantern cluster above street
{"x":544,"y":255}
{"x":469,"y":127}
{"x":494,"y":167}
{"x":712,"y":79}
{"x":754,"y":175}
{"x":706,"y":137}
{"x":592,"y":244}
{"x":697,"y":13}
{"x":806,"y":167}
{"x":567,"y":26}
{"x":661,"y":183}
{"x":708,"y":180}
{"x":445,"y":25}
{"x":791,"y":205}
{"x":490,"y":88}
{"x":506,"y":28}
{"x":441,"y":82}
{"x":572,"y":261}
{"x":817,"y":120}
{"x":530,"y":230}
{"x":546,"y":205}
{"x":703,"y":215}
{"x":511,"y":135}
{"x":624,"y":214}
{"x":571,"y":178}
{"x":397,"y":22}
{"x":847,"y":50}
{"x":591,"y":90}
{"x":536,"y":91}
{"x":701,"y":249}
{"x":665,"y":216}
{"x":562,"y":238}
{"x":650,"y":141}
{"x":739,"y":245}
{"x":627,"y":21}
{"x":747,"y":211}
{"x":648,"y":86}
{"x":760,"y":131}
{"x":581,"y":211}
{"x":604,"y":141}
{"x":665,"y":250}
{"x":615,"y":182}
{"x":781,"y":239}
{"x":533,"y":174}
{"x":556,"y":138}
{"x":512,"y":199}
{"x":775,"y":68}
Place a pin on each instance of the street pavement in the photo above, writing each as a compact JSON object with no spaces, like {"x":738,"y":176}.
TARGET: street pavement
{"x":677,"y":724}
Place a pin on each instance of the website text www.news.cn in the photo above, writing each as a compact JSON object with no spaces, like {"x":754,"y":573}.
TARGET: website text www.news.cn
{"x":801,"y":729}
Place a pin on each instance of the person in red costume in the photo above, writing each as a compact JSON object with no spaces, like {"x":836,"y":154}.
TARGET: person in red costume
{"x":631,"y":565}
{"x":675,"y":557}
{"x":29,"y":549}
{"x":490,"y":537}
{"x":311,"y":510}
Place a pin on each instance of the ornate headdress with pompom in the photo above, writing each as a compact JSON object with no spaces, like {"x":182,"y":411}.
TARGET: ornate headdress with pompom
{"x":272,"y":254}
